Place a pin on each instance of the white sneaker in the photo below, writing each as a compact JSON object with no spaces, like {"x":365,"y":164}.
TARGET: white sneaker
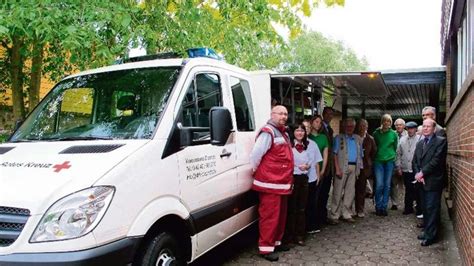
{"x":419,"y":216}
{"x":360,"y":215}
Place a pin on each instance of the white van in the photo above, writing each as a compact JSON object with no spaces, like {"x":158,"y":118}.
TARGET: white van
{"x":144,"y":163}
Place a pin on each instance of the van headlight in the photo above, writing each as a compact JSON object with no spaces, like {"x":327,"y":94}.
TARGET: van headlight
{"x":74,"y":215}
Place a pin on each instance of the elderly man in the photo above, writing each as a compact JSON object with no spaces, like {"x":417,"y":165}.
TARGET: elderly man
{"x":430,"y":112}
{"x":347,"y":164}
{"x":397,"y":180}
{"x":400,"y":128}
{"x":272,"y":162}
{"x":429,"y":163}
{"x":405,"y":152}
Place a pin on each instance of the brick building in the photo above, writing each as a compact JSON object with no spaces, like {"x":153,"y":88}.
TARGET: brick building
{"x":457,"y":42}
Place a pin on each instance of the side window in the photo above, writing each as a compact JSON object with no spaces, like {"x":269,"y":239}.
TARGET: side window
{"x":243,"y":104}
{"x":203,"y":94}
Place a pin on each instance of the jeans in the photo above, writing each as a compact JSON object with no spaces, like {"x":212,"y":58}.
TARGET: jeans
{"x":383,"y":176}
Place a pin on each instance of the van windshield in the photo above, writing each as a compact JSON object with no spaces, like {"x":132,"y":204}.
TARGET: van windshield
{"x":123,"y":104}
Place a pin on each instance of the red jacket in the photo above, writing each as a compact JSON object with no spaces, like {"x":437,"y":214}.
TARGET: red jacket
{"x":274,"y":174}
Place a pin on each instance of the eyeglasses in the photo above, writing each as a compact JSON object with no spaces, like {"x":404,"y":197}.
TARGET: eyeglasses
{"x":280,"y":113}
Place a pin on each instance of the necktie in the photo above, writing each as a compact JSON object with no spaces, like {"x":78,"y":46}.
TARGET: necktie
{"x":299,"y":148}
{"x":425,"y":142}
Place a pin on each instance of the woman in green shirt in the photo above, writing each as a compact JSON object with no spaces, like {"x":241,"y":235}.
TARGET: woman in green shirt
{"x":386,"y":140}
{"x":314,"y":212}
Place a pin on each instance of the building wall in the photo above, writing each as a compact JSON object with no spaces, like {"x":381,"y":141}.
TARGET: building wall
{"x":460,"y":131}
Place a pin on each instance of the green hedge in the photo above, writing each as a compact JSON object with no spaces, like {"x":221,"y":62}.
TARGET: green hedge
{"x":3,"y":137}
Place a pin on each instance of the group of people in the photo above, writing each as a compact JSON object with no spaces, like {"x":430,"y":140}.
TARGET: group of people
{"x":295,"y":168}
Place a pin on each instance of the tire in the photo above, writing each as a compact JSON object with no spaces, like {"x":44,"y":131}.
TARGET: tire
{"x":163,"y":250}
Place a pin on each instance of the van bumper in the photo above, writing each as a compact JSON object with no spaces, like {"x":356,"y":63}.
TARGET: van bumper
{"x":119,"y":252}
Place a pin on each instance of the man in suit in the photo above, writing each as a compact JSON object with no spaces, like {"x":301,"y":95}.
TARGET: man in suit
{"x":429,"y":163}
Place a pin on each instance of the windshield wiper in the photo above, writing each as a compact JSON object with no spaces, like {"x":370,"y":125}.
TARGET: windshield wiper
{"x":79,"y":138}
{"x":22,"y":140}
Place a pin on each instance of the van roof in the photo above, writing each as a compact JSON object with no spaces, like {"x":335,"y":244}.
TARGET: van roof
{"x":160,"y":63}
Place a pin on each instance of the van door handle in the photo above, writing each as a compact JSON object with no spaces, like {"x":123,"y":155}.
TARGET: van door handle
{"x":225,"y":154}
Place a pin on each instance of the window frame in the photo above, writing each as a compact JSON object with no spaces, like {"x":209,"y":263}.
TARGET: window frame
{"x":179,"y":118}
{"x":230,"y":77}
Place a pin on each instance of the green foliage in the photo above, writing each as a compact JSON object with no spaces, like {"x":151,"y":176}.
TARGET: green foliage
{"x":64,"y":36}
{"x":244,"y":31}
{"x":312,"y":52}
{"x":74,"y":35}
{"x":4,"y":137}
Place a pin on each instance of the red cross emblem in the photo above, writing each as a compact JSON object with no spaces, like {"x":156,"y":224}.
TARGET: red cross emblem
{"x":62,"y":166}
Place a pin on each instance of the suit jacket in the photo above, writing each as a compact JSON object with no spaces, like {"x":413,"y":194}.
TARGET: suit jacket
{"x":440,"y":132}
{"x":370,"y":149}
{"x":432,"y":162}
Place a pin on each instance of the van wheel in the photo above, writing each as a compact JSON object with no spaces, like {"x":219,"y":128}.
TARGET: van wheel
{"x":163,"y":250}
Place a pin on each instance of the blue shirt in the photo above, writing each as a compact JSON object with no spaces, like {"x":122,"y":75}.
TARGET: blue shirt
{"x":351,"y":147}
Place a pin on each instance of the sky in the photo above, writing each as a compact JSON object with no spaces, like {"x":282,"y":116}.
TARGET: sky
{"x":391,"y":34}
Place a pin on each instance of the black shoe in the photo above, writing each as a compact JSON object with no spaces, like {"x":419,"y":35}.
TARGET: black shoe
{"x":384,"y":213}
{"x":282,"y":247}
{"x":421,"y":237}
{"x":405,"y":212}
{"x":378,"y":212}
{"x":394,"y":208}
{"x":426,"y":242}
{"x":270,"y":256}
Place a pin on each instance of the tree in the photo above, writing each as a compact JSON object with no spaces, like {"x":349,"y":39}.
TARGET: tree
{"x":312,"y":52}
{"x":57,"y":37}
{"x":244,"y":31}
{"x":54,"y":38}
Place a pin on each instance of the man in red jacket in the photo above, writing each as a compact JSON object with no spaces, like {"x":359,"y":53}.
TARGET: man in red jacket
{"x":272,"y":162}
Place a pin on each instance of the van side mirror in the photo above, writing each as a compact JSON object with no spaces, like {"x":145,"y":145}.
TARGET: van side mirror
{"x":221,"y":125}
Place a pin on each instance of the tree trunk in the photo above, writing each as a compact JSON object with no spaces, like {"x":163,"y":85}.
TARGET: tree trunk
{"x":16,"y":74}
{"x":35,"y":80}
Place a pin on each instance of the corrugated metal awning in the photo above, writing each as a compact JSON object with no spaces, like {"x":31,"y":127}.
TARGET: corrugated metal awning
{"x":401,"y":93}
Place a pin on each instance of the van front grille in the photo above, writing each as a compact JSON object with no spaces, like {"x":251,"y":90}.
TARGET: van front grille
{"x":12,"y":221}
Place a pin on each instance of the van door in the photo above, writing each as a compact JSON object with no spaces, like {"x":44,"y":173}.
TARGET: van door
{"x":207,"y":172}
{"x":245,"y":139}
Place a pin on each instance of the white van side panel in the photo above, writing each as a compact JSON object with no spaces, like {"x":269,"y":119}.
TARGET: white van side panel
{"x":143,"y":183}
{"x":154,"y":211}
{"x":208,"y":238}
{"x":261,"y":95}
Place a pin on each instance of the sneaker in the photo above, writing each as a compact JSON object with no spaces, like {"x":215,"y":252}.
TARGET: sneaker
{"x":270,"y":256}
{"x":360,"y":215}
{"x":419,"y":216}
{"x":394,"y":208}
{"x":333,"y":222}
{"x":313,"y":231}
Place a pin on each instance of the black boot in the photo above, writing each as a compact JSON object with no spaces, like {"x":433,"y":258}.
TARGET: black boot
{"x":272,"y":256}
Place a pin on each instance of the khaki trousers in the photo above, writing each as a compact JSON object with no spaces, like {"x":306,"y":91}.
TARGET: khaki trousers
{"x":343,"y":194}
{"x":396,"y":189}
